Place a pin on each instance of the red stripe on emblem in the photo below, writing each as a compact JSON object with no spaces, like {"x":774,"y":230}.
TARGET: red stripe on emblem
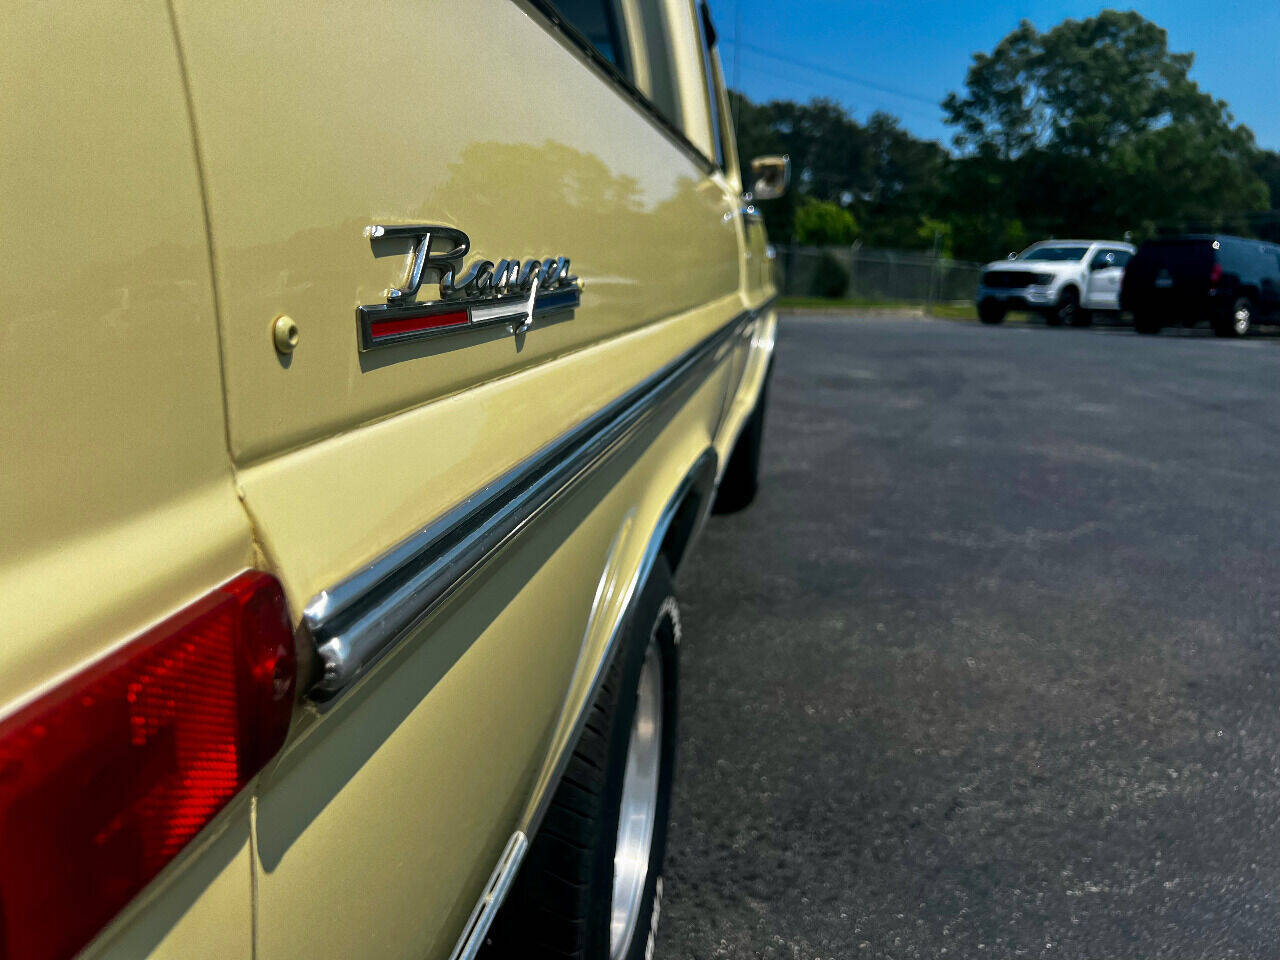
{"x":388,"y":328}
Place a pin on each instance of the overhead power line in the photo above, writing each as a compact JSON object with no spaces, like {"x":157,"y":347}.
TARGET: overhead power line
{"x":836,"y":74}
{"x":802,"y":83}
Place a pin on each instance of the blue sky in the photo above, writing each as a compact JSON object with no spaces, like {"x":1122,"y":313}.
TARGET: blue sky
{"x":912,"y":52}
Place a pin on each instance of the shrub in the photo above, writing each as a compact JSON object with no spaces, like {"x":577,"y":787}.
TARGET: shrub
{"x":830,"y":278}
{"x":820,"y":223}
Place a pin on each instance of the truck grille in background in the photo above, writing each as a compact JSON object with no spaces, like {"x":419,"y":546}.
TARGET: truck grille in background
{"x":1006,"y":279}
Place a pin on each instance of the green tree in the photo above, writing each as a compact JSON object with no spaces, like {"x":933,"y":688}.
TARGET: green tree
{"x":900,"y":185}
{"x":1267,"y":166}
{"x":938,"y":234}
{"x":882,"y":175}
{"x":1095,"y":127}
{"x":820,"y":223}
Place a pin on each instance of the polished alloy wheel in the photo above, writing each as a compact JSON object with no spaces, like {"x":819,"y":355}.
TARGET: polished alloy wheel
{"x":639,"y":809}
{"x":1242,"y":317}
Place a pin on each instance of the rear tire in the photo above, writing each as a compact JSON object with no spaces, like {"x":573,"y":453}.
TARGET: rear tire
{"x":1145,"y":323}
{"x":741,"y":480}
{"x":990,"y":311}
{"x":1067,"y":309}
{"x":1238,"y":321}
{"x":586,"y":891}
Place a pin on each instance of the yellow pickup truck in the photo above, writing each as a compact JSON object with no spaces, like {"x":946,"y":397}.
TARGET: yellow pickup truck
{"x":368,"y":370}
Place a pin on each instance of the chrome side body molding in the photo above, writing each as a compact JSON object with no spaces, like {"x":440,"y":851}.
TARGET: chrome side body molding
{"x":486,"y":293}
{"x":358,"y":620}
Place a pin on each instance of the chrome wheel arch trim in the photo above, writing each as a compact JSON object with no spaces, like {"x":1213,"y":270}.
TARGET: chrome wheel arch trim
{"x":495,"y":891}
{"x":699,"y":483}
{"x":357,"y":621}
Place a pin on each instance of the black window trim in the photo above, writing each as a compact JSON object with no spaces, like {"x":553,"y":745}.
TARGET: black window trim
{"x":707,"y":34}
{"x":618,"y":34}
{"x":556,"y":21}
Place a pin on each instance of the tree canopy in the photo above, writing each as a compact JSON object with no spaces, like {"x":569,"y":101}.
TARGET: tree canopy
{"x":1093,"y":128}
{"x":885,"y":178}
{"x":1096,"y":127}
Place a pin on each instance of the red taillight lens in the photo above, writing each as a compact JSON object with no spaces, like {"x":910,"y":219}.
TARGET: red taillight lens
{"x":1215,"y":274}
{"x":103,"y":780}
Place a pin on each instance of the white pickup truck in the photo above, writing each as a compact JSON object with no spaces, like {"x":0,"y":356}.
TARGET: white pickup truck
{"x":1066,"y":280}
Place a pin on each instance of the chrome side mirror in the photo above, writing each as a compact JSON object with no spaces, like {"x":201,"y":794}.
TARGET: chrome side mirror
{"x":770,"y":177}
{"x":1012,"y":256}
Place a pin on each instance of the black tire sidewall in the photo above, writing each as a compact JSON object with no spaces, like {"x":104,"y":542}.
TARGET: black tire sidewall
{"x":741,"y":479}
{"x":991,"y":312}
{"x":1054,"y":316}
{"x":561,"y":903}
{"x":1142,"y":323}
{"x":654,"y":616}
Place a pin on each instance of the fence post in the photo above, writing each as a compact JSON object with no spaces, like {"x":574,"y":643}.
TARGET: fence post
{"x":933,"y":272}
{"x":851,"y":290}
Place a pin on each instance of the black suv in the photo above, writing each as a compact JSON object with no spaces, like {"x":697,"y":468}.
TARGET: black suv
{"x":1232,"y":282}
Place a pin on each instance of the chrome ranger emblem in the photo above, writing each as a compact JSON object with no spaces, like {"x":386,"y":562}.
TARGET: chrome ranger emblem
{"x":484,"y":294}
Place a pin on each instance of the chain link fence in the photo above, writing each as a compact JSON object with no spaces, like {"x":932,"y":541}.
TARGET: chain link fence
{"x":875,"y":276}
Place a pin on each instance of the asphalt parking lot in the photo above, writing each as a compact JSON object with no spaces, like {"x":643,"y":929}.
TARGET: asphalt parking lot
{"x":992,"y":666}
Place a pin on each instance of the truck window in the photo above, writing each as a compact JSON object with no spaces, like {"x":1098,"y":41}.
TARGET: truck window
{"x":1051,"y":254}
{"x":600,"y":23}
{"x":1109,"y":258}
{"x":662,"y":91}
{"x":1232,"y":255}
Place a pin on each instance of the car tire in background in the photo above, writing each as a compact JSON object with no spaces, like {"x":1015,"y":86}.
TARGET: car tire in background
{"x":1236,"y":322}
{"x":1145,"y":323}
{"x":590,"y":887}
{"x":741,"y":480}
{"x":1066,"y":310}
{"x":1083,"y":318}
{"x":991,"y":311}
